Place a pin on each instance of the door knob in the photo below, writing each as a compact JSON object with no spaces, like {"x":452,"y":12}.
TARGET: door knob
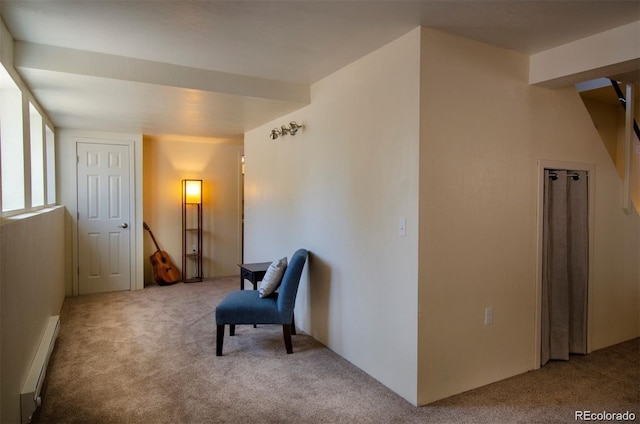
{"x":125,"y":225}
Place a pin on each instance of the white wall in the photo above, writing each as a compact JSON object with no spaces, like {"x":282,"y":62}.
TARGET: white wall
{"x":339,"y":188}
{"x":66,"y":140}
{"x":483,"y":130}
{"x":606,"y":54}
{"x":32,"y":290}
{"x":31,"y":274}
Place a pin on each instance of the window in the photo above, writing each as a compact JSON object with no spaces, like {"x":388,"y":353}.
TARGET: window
{"x":27,"y":164}
{"x":11,"y":144}
{"x":51,"y":166}
{"x":37,"y":157}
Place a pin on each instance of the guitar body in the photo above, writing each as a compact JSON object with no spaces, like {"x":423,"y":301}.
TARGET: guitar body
{"x":164,"y":271}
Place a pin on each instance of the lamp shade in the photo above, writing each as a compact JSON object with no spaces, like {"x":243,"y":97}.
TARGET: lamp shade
{"x":192,"y":191}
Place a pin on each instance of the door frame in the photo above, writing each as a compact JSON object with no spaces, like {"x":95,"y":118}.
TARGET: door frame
{"x":574,"y":166}
{"x":135,"y":212}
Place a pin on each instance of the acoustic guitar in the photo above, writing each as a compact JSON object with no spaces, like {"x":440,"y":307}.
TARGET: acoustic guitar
{"x":164,"y":271}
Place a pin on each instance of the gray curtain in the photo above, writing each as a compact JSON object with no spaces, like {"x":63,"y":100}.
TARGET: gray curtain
{"x":564,"y":265}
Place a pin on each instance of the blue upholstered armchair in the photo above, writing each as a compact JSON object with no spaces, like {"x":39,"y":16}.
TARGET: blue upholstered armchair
{"x":246,"y":306}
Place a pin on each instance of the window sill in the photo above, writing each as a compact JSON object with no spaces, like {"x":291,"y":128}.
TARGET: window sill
{"x":27,"y":215}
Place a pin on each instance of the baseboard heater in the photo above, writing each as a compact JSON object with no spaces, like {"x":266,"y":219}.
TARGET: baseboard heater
{"x":30,"y":396}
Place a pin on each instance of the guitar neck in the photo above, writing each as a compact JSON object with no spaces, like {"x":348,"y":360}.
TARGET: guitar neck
{"x":146,"y":227}
{"x":154,"y":241}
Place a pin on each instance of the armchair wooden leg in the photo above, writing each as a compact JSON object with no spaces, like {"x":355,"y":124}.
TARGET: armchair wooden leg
{"x":219,"y":339}
{"x":286,"y":331}
{"x":293,"y":325}
{"x":232,"y":329}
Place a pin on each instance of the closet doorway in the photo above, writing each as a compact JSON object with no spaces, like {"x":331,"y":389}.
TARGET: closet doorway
{"x":564,"y":261}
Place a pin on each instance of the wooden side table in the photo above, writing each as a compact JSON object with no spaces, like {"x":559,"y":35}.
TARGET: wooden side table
{"x":253,"y":272}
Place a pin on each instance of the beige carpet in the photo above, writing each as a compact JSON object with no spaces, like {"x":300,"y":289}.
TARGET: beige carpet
{"x":149,"y":357}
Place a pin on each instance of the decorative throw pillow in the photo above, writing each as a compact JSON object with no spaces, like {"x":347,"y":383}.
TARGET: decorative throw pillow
{"x":272,"y":277}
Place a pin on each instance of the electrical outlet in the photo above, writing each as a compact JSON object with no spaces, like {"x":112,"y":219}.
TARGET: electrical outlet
{"x":488,"y":316}
{"x":402,"y":227}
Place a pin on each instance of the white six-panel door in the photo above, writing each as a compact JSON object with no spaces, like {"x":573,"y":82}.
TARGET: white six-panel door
{"x":103,"y":218}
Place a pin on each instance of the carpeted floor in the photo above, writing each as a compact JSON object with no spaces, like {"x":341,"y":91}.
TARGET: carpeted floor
{"x":149,"y":357}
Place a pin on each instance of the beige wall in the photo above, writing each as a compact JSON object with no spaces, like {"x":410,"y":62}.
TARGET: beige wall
{"x":167,"y":162}
{"x":32,"y":290}
{"x":159,"y":166}
{"x":471,"y":167}
{"x":606,"y":119}
{"x":339,"y":188}
{"x":425,"y":129}
{"x":477,"y":216}
{"x":483,"y":130}
{"x":609,"y":120}
{"x":635,"y":148}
